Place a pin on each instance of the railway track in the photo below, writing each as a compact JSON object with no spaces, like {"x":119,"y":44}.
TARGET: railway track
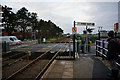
{"x":5,"y":59}
{"x":18,"y":63}
{"x":37,"y":66}
{"x":62,"y":40}
{"x":13,"y":57}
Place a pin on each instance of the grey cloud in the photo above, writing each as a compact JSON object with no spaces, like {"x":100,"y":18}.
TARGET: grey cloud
{"x":63,"y":22}
{"x":64,"y":13}
{"x":106,"y":14}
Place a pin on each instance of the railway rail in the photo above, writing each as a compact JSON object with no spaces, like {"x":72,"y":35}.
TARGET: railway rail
{"x":15,"y":56}
{"x":18,"y":63}
{"x":13,"y":59}
{"x":5,"y":59}
{"x":40,"y":64}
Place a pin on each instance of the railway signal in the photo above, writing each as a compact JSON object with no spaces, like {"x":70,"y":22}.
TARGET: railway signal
{"x":90,"y":30}
{"x":85,"y":32}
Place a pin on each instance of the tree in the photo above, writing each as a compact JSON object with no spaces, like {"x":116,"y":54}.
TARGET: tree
{"x":39,"y":27}
{"x":8,"y":20}
{"x":48,"y":29}
{"x":33,"y":20}
{"x":23,"y":20}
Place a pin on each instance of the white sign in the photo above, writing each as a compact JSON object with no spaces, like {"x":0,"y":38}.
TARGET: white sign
{"x":85,"y":24}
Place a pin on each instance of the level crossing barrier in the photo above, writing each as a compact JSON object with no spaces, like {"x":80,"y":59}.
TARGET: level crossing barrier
{"x":101,"y":50}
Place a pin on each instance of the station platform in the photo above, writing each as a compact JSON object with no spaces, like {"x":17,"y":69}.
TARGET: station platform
{"x":85,"y":66}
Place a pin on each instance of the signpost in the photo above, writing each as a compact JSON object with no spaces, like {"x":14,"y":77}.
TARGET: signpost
{"x":82,"y":24}
{"x":116,"y":27}
{"x":75,"y":30}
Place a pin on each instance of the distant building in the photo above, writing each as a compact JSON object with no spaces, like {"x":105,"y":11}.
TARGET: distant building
{"x":103,"y":33}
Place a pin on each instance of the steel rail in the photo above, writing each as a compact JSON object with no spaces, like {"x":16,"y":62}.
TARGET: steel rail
{"x":23,"y":68}
{"x":11,"y":56}
{"x":20,"y":58}
{"x":15,"y":61}
{"x":50,"y":62}
{"x":46,"y":67}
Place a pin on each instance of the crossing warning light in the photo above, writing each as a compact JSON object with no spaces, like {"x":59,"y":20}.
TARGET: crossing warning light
{"x":84,"y":32}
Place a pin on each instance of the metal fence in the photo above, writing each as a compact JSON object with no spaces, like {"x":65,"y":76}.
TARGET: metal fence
{"x":101,"y":50}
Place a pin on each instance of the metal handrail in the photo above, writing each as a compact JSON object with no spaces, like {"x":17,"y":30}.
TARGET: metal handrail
{"x":105,"y":49}
{"x":98,"y":41}
{"x":106,"y":42}
{"x":99,"y":47}
{"x":99,"y":52}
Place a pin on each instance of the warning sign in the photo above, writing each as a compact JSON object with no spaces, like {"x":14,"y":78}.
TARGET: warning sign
{"x":116,"y":27}
{"x":74,"y":30}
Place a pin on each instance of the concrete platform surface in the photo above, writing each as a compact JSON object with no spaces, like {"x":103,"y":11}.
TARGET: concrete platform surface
{"x":85,"y":67}
{"x":60,"y":69}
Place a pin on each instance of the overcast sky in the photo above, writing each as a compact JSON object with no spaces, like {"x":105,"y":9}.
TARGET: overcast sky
{"x":102,"y":13}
